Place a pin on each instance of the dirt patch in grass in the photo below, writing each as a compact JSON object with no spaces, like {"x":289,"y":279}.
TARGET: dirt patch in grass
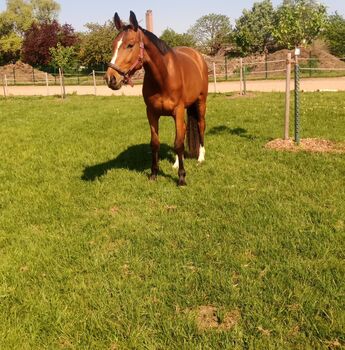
{"x":208,"y":318}
{"x":308,"y":145}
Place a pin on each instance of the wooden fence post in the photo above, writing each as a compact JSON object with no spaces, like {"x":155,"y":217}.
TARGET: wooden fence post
{"x":61,"y":84}
{"x":226,"y":67}
{"x":241,"y":76}
{"x":4,"y":85}
{"x":47,"y":84}
{"x":287,"y":97}
{"x":214,"y":77}
{"x":244,"y":80}
{"x":94,"y":82}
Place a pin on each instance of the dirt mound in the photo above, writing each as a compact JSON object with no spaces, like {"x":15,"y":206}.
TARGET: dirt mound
{"x":313,"y":57}
{"x":22,"y":73}
{"x":308,"y":145}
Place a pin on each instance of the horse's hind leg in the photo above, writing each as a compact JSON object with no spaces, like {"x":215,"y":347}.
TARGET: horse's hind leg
{"x":201,"y":107}
{"x":155,"y":144}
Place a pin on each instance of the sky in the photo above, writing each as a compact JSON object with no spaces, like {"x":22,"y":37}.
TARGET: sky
{"x":176,"y":14}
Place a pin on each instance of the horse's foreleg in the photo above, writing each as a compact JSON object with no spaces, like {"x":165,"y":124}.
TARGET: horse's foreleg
{"x":155,"y":144}
{"x":179,"y":144}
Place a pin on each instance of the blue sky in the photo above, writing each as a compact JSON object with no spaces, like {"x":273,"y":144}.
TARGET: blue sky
{"x":176,"y":14}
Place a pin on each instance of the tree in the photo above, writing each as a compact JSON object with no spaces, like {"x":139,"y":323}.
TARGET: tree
{"x":17,"y":19}
{"x":19,"y":14}
{"x":96,"y":44}
{"x":174,"y":39}
{"x":210,"y":32}
{"x":253,"y":31}
{"x":64,"y":57}
{"x":40,"y":38}
{"x":299,"y":22}
{"x":335,"y":35}
{"x":45,"y":10}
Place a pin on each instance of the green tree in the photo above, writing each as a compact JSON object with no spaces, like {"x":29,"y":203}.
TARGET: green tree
{"x":14,"y":21}
{"x":210,"y":32}
{"x":96,"y":44}
{"x":19,"y":14}
{"x":253,"y":30}
{"x":299,"y":22}
{"x":335,"y":35}
{"x":45,"y":10}
{"x":17,"y":19}
{"x":64,"y":57}
{"x":174,"y":39}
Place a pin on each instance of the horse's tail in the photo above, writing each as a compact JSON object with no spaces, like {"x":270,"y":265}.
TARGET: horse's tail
{"x":193,"y":136}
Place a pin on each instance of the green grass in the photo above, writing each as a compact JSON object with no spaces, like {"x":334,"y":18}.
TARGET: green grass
{"x":94,"y":256}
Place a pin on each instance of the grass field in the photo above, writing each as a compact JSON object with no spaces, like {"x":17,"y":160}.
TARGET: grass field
{"x":250,"y":255}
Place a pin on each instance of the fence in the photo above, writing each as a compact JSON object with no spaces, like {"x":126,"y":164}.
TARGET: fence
{"x":221,"y":69}
{"x":239,"y":70}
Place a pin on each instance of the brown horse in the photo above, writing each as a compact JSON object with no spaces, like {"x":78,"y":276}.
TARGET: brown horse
{"x":175,"y":80}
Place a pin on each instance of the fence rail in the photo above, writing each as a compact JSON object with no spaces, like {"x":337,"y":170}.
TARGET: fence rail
{"x":243,"y":72}
{"x":222,"y":70}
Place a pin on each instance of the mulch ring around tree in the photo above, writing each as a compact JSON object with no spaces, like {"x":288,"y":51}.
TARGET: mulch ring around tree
{"x":307,"y":145}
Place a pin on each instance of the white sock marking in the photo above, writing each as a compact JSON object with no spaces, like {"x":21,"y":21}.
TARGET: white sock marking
{"x":202,"y":153}
{"x":177,"y":163}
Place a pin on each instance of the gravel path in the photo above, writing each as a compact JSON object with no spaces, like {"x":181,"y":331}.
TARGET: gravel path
{"x":313,"y":84}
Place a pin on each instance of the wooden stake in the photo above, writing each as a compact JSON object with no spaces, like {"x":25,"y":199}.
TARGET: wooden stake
{"x":214,"y":77}
{"x":47,"y":84}
{"x":61,"y":84}
{"x":241,"y":76}
{"x":4,"y":86}
{"x":94,"y":82}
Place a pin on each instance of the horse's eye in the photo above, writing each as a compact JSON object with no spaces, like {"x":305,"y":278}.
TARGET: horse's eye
{"x":129,"y":46}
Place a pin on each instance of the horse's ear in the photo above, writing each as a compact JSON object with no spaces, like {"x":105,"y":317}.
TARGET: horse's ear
{"x":118,"y":23}
{"x":133,"y":20}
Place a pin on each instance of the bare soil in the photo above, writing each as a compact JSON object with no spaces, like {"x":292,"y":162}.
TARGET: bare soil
{"x":307,"y":145}
{"x":207,"y":319}
{"x":22,"y":72}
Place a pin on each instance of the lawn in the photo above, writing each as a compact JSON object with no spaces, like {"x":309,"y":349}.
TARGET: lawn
{"x":250,"y":255}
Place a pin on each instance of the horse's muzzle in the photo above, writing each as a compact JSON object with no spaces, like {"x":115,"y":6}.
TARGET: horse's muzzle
{"x":112,"y":82}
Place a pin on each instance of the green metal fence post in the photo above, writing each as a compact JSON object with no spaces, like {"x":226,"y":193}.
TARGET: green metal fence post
{"x":297,"y":102}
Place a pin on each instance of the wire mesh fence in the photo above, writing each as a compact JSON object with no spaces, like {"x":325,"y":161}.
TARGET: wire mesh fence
{"x":245,"y":71}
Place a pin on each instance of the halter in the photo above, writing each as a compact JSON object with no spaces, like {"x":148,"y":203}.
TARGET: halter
{"x":127,"y":75}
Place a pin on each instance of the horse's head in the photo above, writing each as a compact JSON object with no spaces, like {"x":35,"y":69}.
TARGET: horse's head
{"x":128,"y":53}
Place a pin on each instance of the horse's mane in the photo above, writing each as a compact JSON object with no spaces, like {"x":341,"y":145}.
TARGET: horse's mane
{"x":162,"y":46}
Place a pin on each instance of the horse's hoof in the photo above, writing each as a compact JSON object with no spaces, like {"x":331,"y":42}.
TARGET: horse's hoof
{"x":153,"y":177}
{"x":182,"y":182}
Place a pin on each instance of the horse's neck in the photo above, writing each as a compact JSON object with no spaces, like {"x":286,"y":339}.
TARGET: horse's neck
{"x":155,"y":64}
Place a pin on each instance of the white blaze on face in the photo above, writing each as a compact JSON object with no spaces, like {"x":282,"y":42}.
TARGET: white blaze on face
{"x":119,"y":43}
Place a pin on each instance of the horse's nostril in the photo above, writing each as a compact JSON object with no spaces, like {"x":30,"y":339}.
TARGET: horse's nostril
{"x":112,"y":80}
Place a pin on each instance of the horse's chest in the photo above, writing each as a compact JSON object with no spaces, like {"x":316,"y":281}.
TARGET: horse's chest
{"x":162,"y":105}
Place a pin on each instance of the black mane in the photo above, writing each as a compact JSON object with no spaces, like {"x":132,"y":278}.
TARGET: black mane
{"x":162,"y":46}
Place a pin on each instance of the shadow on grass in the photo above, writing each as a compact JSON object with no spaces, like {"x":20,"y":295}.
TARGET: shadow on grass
{"x":223,"y":129}
{"x":136,"y":158}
